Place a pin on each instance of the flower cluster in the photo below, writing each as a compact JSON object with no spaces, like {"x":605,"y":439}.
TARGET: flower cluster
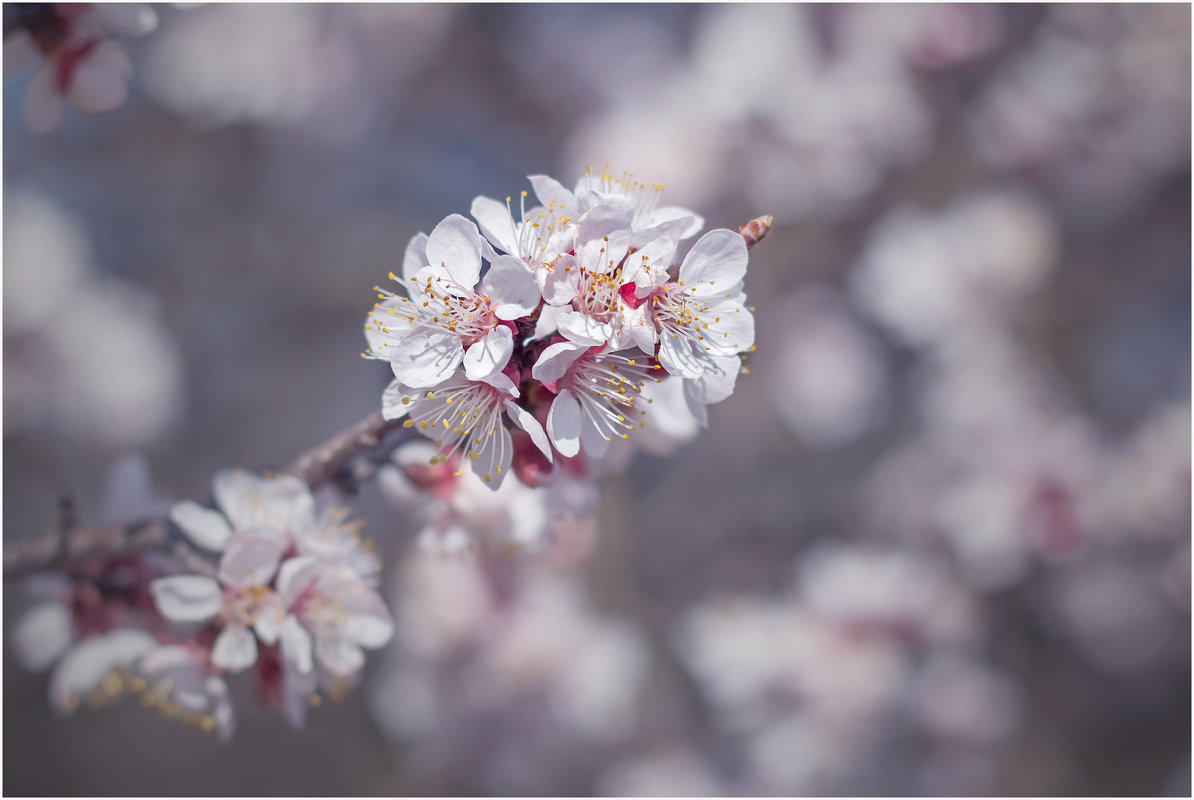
{"x":81,"y":64}
{"x":525,"y":336}
{"x":294,"y":594}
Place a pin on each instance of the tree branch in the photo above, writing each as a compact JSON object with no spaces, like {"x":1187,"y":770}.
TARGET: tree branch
{"x":319,"y":466}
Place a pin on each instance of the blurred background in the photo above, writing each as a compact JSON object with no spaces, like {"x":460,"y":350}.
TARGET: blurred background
{"x":937,"y":542}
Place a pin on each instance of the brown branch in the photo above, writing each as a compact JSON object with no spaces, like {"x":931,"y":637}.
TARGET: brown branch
{"x":320,"y":464}
{"x":318,"y":467}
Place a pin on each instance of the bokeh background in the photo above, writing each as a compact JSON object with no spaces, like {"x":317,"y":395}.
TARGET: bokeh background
{"x":936,"y":543}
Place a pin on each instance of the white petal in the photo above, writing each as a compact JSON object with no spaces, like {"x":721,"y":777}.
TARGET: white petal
{"x":369,"y":623}
{"x":563,"y":424}
{"x":415,"y":256}
{"x":731,"y":328}
{"x":294,"y":575}
{"x":501,"y":382}
{"x":549,"y":189}
{"x":592,"y":440}
{"x":715,"y":264}
{"x":602,"y":240}
{"x":546,"y":324}
{"x":555,"y":359}
{"x":42,"y":635}
{"x":648,"y":266}
{"x":222,"y":714}
{"x":270,"y":615}
{"x":489,"y":355}
{"x":131,"y":18}
{"x":670,"y":221}
{"x":187,"y":598}
{"x":557,"y":280}
{"x":637,"y":324}
{"x":496,"y":223}
{"x":238,"y":494}
{"x":338,"y":655}
{"x":493,"y":459}
{"x":296,"y":645}
{"x":698,"y":411}
{"x":297,"y":689}
{"x":386,"y":326}
{"x":511,"y":287}
{"x":100,"y":82}
{"x":426,"y":357}
{"x":716,"y":383}
{"x":205,"y":527}
{"x":455,"y":247}
{"x":679,"y":356}
{"x":526,"y":420}
{"x":286,"y":505}
{"x":252,"y":558}
{"x":398,"y":399}
{"x":583,"y":329}
{"x":86,"y":665}
{"x":235,"y":649}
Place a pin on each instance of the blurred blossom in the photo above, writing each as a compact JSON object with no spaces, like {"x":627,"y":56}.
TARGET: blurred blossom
{"x":924,"y":276}
{"x":810,"y":682}
{"x":822,"y":98}
{"x":124,"y":387}
{"x":828,"y":379}
{"x":1115,"y":614}
{"x":675,"y":772}
{"x":967,"y":701}
{"x":458,"y":512}
{"x":286,"y":65}
{"x":47,"y":255}
{"x":932,"y":36}
{"x":90,"y":672}
{"x":1100,"y":100}
{"x":275,"y":64}
{"x":530,"y":655}
{"x":83,"y":66}
{"x":1143,"y":491}
{"x":898,"y":592}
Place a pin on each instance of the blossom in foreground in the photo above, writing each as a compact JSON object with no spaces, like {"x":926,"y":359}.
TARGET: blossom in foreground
{"x":465,"y":419}
{"x":446,"y":317}
{"x":594,"y":396}
{"x":581,"y":301}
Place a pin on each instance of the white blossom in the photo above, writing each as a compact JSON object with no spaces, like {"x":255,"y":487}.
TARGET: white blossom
{"x":465,"y":418}
{"x":331,"y":614}
{"x":447,"y":318}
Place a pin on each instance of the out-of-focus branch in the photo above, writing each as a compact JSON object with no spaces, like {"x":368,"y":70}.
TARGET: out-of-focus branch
{"x":54,"y":549}
{"x":320,"y":464}
{"x":317,"y":467}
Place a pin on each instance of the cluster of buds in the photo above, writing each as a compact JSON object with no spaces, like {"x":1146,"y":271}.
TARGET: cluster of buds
{"x":520,"y":340}
{"x":81,"y":64}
